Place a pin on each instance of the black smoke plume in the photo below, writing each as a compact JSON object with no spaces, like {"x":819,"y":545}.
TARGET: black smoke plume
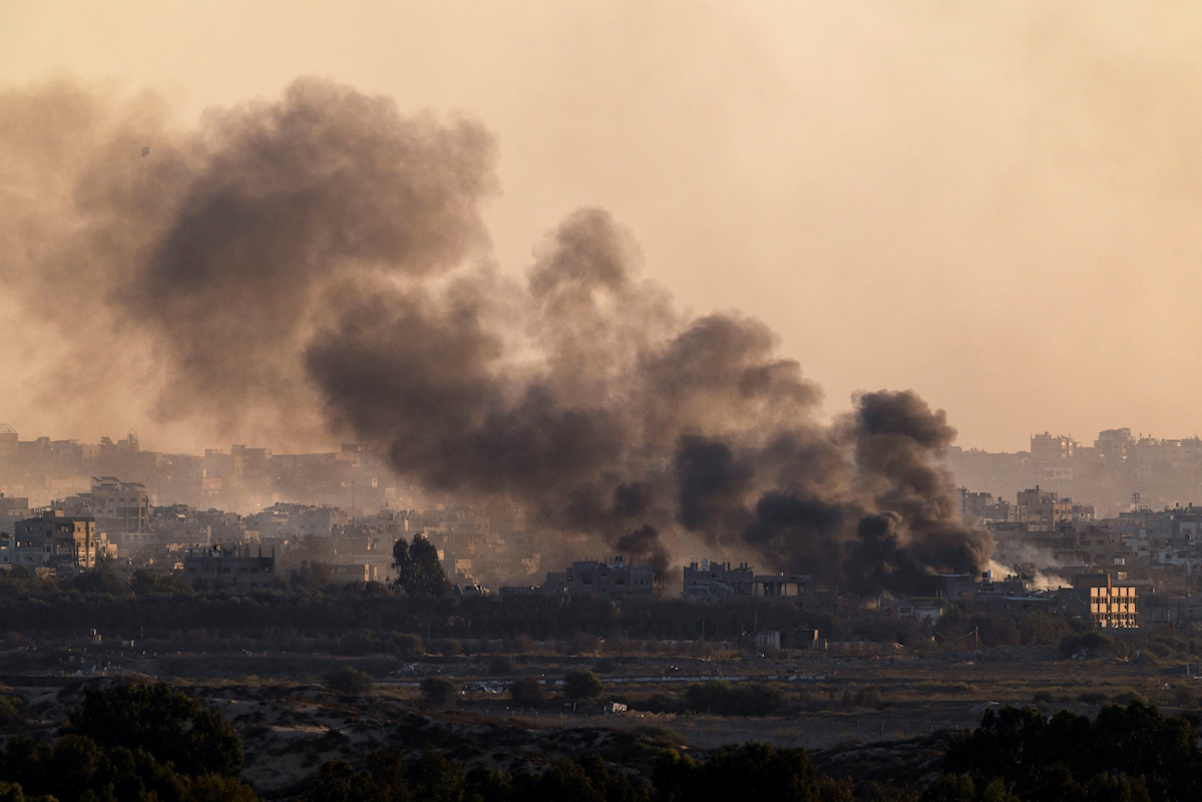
{"x":317,"y":265}
{"x":644,"y":544}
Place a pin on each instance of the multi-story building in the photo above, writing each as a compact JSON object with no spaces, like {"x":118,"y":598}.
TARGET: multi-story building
{"x":713,"y":580}
{"x":1041,"y":510}
{"x":1113,"y":607}
{"x":1114,"y":445}
{"x":297,"y":520}
{"x":53,"y":541}
{"x":1052,"y":448}
{"x":1108,"y":604}
{"x":120,"y":506}
{"x":613,"y":578}
{"x":11,"y":511}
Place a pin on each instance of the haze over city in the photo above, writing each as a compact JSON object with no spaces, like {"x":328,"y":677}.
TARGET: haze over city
{"x":987,"y":205}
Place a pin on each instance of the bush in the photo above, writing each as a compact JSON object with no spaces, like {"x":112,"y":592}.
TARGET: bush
{"x":407,"y":646}
{"x":12,"y":710}
{"x":350,"y":680}
{"x":500,"y":664}
{"x":171,"y":727}
{"x":720,"y":698}
{"x":1090,"y":644}
{"x":439,"y":692}
{"x":526,"y":691}
{"x":580,"y":686}
{"x":1124,"y":753}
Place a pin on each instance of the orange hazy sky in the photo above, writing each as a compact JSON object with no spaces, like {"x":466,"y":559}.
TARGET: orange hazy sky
{"x":994,"y":204}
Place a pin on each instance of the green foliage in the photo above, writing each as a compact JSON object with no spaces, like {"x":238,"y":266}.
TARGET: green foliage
{"x":526,"y":691}
{"x":171,"y":727}
{"x":310,"y":576}
{"x":581,"y":686}
{"x":407,"y":646}
{"x":1130,"y":753}
{"x":750,"y":771}
{"x":1091,"y":644}
{"x":418,"y":570}
{"x":11,"y":792}
{"x":432,"y":777}
{"x":145,"y":582}
{"x":12,"y":710}
{"x":439,"y":692}
{"x":500,"y":665}
{"x":77,"y":768}
{"x":721,"y":698}
{"x":350,"y":680}
{"x":104,"y":578}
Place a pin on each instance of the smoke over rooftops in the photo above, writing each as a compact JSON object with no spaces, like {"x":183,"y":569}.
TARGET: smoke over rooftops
{"x":320,"y":261}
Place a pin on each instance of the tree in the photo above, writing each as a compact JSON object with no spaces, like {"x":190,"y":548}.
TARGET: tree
{"x":418,"y":570}
{"x":526,"y":691}
{"x":580,"y":686}
{"x":751,"y":771}
{"x":168,"y":725}
{"x":439,"y":692}
{"x":350,"y":680}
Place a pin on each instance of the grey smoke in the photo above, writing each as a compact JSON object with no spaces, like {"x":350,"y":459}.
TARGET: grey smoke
{"x":321,"y":260}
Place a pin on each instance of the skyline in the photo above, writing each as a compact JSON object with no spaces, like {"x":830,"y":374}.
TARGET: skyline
{"x":992,"y":207}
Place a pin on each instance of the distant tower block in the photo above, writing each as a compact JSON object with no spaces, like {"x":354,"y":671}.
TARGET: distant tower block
{"x":8,"y":440}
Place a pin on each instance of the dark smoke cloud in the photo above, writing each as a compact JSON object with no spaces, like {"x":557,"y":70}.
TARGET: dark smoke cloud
{"x":644,"y":544}
{"x":319,"y":261}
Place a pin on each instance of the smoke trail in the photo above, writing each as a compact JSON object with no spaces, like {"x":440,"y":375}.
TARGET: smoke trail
{"x":317,"y":264}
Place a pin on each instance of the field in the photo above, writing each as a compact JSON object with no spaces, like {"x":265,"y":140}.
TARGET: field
{"x":884,"y":715}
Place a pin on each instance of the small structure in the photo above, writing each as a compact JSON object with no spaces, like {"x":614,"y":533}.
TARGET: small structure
{"x":767,"y":639}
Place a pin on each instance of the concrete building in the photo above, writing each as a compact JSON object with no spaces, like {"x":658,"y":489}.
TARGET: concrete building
{"x":120,"y":506}
{"x":297,"y":520}
{"x":781,"y":585}
{"x":12,"y":510}
{"x":8,"y":442}
{"x":1113,"y":607}
{"x":237,"y":567}
{"x":712,"y":580}
{"x":351,"y":573}
{"x":1048,"y":448}
{"x":1042,"y":510}
{"x":614,"y":578}
{"x":64,"y":545}
{"x":1109,"y":603}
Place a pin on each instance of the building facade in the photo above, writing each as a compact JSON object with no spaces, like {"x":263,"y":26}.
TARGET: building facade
{"x":232,"y":566}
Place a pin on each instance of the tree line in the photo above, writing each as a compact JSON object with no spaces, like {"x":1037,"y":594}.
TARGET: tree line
{"x":146,"y":743}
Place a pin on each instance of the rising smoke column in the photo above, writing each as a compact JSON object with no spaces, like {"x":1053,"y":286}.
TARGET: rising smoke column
{"x":897,"y":438}
{"x":319,"y":261}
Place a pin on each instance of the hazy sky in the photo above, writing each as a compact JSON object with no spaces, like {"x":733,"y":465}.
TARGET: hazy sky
{"x":996,"y":205}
